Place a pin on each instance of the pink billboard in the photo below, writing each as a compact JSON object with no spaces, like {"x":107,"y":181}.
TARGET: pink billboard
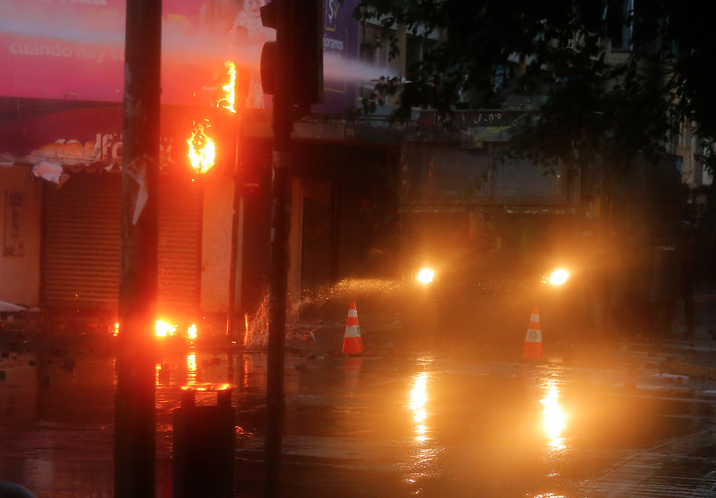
{"x":74,"y":49}
{"x":62,"y":76}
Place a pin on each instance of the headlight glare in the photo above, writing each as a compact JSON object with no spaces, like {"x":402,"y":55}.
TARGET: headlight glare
{"x":425,"y":276}
{"x":558,"y":277}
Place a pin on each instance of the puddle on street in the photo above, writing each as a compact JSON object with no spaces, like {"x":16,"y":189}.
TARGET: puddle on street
{"x":353,"y":426}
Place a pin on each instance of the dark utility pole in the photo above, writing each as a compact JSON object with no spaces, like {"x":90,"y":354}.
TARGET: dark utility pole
{"x":291,"y":71}
{"x":280,"y":227}
{"x":135,"y":416}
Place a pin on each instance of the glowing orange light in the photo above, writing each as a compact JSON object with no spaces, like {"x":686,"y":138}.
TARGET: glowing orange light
{"x":202,"y":150}
{"x":164,"y":329}
{"x":191,"y":365}
{"x":416,"y":403}
{"x":558,"y":277}
{"x":555,"y":420}
{"x":227,"y":101}
{"x":207,"y":386}
{"x":425,"y":276}
{"x":191,"y":331}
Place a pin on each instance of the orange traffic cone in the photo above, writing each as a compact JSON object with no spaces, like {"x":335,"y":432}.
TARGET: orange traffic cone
{"x":352,"y":341}
{"x":533,"y":341}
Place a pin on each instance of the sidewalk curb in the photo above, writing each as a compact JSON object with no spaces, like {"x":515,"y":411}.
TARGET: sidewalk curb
{"x":682,"y":367}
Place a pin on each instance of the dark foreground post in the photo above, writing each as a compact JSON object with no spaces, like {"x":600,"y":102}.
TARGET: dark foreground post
{"x":280,"y":226}
{"x":135,"y":416}
{"x":291,"y":70}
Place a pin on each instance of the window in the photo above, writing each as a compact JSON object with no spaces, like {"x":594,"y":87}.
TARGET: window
{"x":619,"y":16}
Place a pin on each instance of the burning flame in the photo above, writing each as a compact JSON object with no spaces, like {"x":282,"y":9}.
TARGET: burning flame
{"x":191,"y":365}
{"x":201,"y":150}
{"x":191,"y":331}
{"x":227,"y":101}
{"x":164,"y":329}
{"x":207,"y":386}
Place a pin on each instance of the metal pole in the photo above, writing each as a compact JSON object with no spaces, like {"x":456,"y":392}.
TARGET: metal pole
{"x":135,"y":416}
{"x":280,"y":227}
{"x":277,"y":319}
{"x":237,"y":232}
{"x":234,"y":255}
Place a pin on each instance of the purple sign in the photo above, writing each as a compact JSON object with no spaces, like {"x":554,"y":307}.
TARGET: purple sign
{"x":340,"y":48}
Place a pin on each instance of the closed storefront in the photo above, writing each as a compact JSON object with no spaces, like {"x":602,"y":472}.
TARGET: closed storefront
{"x":81,"y":246}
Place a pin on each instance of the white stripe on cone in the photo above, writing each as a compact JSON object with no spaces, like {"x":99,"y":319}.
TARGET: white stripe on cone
{"x":533,"y":335}
{"x":352,"y":331}
{"x":352,"y":341}
{"x":533,"y":341}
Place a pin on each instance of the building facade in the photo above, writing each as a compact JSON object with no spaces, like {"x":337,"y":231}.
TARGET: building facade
{"x":362,"y":190}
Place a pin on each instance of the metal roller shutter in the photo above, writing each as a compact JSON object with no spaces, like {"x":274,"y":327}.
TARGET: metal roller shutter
{"x":179,"y":251}
{"x":80,"y":264}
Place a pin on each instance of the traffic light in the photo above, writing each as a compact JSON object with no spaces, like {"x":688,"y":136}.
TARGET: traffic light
{"x":302,"y":32}
{"x":307,"y":51}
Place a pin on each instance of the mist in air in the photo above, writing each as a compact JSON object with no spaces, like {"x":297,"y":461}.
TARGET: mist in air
{"x":177,"y":42}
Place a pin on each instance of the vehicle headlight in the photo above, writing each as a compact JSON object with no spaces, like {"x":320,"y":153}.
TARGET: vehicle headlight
{"x":425,"y":276}
{"x":557,"y":277}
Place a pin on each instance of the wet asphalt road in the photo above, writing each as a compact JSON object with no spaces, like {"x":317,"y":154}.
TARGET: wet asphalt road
{"x":372,"y":427}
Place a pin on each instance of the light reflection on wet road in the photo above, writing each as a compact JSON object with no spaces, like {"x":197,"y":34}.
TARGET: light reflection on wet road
{"x":354,"y":427}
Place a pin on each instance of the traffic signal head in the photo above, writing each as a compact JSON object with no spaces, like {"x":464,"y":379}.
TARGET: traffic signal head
{"x":307,"y":53}
{"x":300,"y":32}
{"x":268,"y":15}
{"x":269,"y":68}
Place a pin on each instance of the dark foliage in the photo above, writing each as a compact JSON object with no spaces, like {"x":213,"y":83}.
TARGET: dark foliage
{"x":482,"y":52}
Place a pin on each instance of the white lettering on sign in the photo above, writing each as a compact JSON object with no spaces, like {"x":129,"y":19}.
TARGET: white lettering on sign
{"x":111,"y":147}
{"x":489,"y":117}
{"x":332,"y":13}
{"x":85,"y":2}
{"x":332,"y":43}
{"x":41,"y":49}
{"x":63,"y":50}
{"x":92,"y":53}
